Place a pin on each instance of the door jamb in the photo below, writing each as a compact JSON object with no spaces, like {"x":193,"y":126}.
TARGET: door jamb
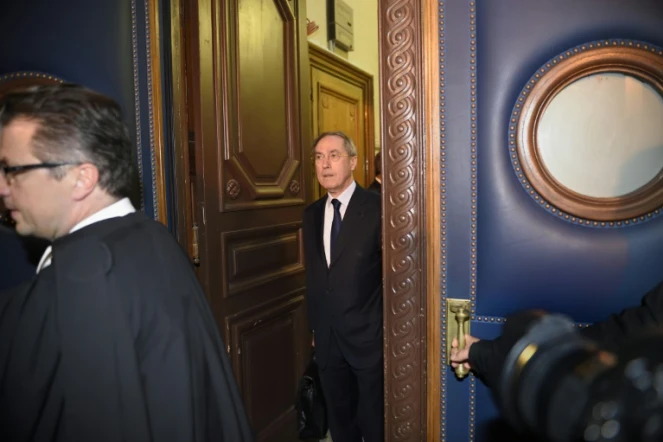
{"x":410,"y":132}
{"x":412,"y":140}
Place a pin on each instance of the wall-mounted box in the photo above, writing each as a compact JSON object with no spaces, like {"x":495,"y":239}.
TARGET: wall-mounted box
{"x":340,"y":26}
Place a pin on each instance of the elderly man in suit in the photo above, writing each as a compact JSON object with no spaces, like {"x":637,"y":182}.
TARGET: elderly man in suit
{"x":342,"y":243}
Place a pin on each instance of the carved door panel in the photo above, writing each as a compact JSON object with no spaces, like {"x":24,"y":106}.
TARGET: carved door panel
{"x":251,"y":174}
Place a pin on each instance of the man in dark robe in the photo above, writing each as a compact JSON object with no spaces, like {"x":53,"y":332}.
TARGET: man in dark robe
{"x":113,"y":340}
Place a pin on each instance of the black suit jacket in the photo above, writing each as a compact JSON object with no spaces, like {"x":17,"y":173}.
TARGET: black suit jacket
{"x":375,"y":186}
{"x":346,"y":297}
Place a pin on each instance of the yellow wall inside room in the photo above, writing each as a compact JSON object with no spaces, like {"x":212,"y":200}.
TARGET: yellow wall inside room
{"x":365,"y":54}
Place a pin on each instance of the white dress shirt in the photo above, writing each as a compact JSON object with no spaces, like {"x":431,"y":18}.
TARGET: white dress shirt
{"x":119,"y":208}
{"x":344,"y":198}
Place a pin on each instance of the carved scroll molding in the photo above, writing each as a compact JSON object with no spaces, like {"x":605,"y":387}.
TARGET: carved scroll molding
{"x":404,"y":218}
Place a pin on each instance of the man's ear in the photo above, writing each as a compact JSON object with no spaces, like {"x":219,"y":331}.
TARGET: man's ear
{"x":87,"y":177}
{"x":353,"y":162}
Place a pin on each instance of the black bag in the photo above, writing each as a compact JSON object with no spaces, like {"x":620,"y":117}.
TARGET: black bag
{"x":311,"y":407}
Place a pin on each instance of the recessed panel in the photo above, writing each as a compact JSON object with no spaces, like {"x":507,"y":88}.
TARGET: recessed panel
{"x":339,"y":113}
{"x":259,"y":133}
{"x":260,"y":345}
{"x":255,"y":257}
{"x":266,"y":337}
{"x":263,"y":109}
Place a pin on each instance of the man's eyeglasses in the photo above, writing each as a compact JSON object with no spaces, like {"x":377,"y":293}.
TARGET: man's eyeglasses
{"x":333,"y":157}
{"x":8,"y":172}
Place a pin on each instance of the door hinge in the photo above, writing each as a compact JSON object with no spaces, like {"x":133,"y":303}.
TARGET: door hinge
{"x":195,"y":255}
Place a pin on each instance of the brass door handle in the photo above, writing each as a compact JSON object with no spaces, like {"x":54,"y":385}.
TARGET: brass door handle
{"x":458,"y":325}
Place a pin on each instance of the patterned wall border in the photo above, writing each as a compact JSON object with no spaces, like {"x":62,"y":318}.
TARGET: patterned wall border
{"x":474,"y":197}
{"x":488,"y":319}
{"x":513,"y":129}
{"x":148,"y":58}
{"x":156,"y":113}
{"x":404,"y":218}
{"x":150,"y":98}
{"x":501,"y":320}
{"x":139,"y":137}
{"x":443,"y":225}
{"x":473,"y":156}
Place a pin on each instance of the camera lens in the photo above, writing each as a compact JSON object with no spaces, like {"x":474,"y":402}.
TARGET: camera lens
{"x":561,"y":387}
{"x":544,"y":381}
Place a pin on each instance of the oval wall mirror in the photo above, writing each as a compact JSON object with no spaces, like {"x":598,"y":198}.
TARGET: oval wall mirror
{"x":586,"y":135}
{"x":602,"y":135}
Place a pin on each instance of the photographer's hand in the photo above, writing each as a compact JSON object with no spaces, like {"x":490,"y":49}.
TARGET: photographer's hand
{"x":461,"y":356}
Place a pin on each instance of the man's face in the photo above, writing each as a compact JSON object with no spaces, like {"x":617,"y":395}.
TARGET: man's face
{"x":334,"y":176}
{"x":37,"y":202}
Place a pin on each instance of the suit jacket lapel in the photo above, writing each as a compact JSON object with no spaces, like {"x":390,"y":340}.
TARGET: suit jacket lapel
{"x":351,"y":220}
{"x":319,"y":220}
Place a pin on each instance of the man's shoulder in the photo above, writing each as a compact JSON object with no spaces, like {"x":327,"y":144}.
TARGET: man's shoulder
{"x":133,"y":235}
{"x":367,"y":198}
{"x":135,"y":252}
{"x":138,"y":235}
{"x":375,"y":187}
{"x":315,"y":204}
{"x":114,"y":229}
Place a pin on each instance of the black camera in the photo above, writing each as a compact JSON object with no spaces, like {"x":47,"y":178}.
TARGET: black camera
{"x":561,"y":387}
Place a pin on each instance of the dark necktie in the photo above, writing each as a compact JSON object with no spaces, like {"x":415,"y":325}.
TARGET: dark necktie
{"x":336,"y":226}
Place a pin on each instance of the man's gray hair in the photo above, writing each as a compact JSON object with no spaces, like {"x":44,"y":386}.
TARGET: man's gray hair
{"x":348,"y":144}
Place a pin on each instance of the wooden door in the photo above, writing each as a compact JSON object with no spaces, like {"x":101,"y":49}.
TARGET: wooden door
{"x":342,"y":100}
{"x":241,"y":115}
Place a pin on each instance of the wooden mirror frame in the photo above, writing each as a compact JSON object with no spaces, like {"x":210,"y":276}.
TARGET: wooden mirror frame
{"x":639,"y":60}
{"x":16,"y":80}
